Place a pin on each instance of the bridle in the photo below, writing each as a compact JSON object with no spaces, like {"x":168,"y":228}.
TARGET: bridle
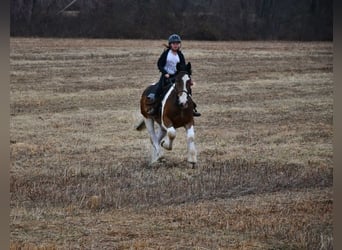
{"x":183,"y":91}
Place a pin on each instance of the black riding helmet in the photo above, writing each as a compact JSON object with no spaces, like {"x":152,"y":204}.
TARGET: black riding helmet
{"x":174,"y":38}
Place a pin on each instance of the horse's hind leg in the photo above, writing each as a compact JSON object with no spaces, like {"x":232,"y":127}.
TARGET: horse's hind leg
{"x":192,"y":153}
{"x":156,"y":150}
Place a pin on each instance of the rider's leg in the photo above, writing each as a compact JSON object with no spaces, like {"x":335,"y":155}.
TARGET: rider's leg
{"x":154,"y":92}
{"x":154,"y":97}
{"x":195,"y":112}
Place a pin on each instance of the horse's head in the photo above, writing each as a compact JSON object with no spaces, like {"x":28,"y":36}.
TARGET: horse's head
{"x":183,"y":84}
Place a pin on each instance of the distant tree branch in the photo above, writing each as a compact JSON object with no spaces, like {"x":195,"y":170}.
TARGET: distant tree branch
{"x":71,"y":3}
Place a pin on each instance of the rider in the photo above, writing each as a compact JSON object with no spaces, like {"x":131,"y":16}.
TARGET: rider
{"x":167,"y":66}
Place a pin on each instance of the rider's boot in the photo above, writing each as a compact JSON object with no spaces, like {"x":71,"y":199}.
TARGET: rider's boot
{"x":195,"y":112}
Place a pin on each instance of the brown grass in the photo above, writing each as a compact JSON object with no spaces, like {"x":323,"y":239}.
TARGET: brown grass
{"x":80,"y":174}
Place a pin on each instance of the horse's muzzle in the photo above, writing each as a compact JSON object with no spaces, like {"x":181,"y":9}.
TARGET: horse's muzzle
{"x":183,"y":105}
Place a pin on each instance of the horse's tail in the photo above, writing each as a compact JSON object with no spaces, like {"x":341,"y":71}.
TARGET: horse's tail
{"x":141,"y":125}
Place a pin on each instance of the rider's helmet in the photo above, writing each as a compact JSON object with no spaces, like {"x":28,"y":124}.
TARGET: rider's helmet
{"x":174,"y":38}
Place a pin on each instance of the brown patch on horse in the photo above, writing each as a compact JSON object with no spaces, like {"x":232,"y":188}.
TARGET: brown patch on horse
{"x":145,"y":106}
{"x":176,"y":116}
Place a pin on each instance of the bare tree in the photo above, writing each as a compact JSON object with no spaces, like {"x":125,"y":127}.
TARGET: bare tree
{"x":193,"y":19}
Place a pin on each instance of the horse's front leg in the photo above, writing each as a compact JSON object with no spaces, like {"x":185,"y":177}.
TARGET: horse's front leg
{"x":155,"y":141}
{"x":192,"y":153}
{"x":168,"y":140}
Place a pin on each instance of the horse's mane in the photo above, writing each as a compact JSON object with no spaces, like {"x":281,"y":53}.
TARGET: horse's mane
{"x":184,"y":68}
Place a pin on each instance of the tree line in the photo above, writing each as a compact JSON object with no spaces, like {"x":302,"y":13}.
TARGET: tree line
{"x":157,"y":19}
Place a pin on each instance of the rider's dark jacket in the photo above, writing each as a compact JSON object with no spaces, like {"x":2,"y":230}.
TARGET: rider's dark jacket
{"x":162,"y":60}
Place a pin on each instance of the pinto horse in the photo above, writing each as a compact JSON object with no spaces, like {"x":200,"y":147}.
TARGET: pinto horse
{"x":176,"y":111}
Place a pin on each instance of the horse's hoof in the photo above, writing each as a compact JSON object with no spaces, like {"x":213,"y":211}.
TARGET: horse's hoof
{"x":158,"y":160}
{"x":163,"y":145}
{"x":193,"y":165}
{"x":152,"y":163}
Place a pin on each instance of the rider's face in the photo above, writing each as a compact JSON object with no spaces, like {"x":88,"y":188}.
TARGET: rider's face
{"x":175,"y":46}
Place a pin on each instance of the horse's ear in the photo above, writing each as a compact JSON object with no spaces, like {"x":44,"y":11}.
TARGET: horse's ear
{"x":178,"y":67}
{"x":188,"y":68}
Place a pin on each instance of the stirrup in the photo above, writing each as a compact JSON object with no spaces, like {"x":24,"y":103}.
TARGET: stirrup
{"x":151,"y":96}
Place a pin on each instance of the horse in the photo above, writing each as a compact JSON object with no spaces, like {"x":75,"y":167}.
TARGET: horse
{"x":176,"y":111}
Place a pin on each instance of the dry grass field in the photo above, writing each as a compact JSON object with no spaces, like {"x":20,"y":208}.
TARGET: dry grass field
{"x":80,"y":175}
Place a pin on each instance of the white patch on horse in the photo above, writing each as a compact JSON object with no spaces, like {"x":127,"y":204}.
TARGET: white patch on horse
{"x":184,"y":97}
{"x":163,"y":104}
{"x":192,"y":153}
{"x":168,"y":139}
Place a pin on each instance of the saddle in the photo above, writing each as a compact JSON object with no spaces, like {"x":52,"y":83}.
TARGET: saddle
{"x":155,"y":103}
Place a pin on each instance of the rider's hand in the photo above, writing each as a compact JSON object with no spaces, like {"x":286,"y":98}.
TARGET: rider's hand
{"x":167,"y":75}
